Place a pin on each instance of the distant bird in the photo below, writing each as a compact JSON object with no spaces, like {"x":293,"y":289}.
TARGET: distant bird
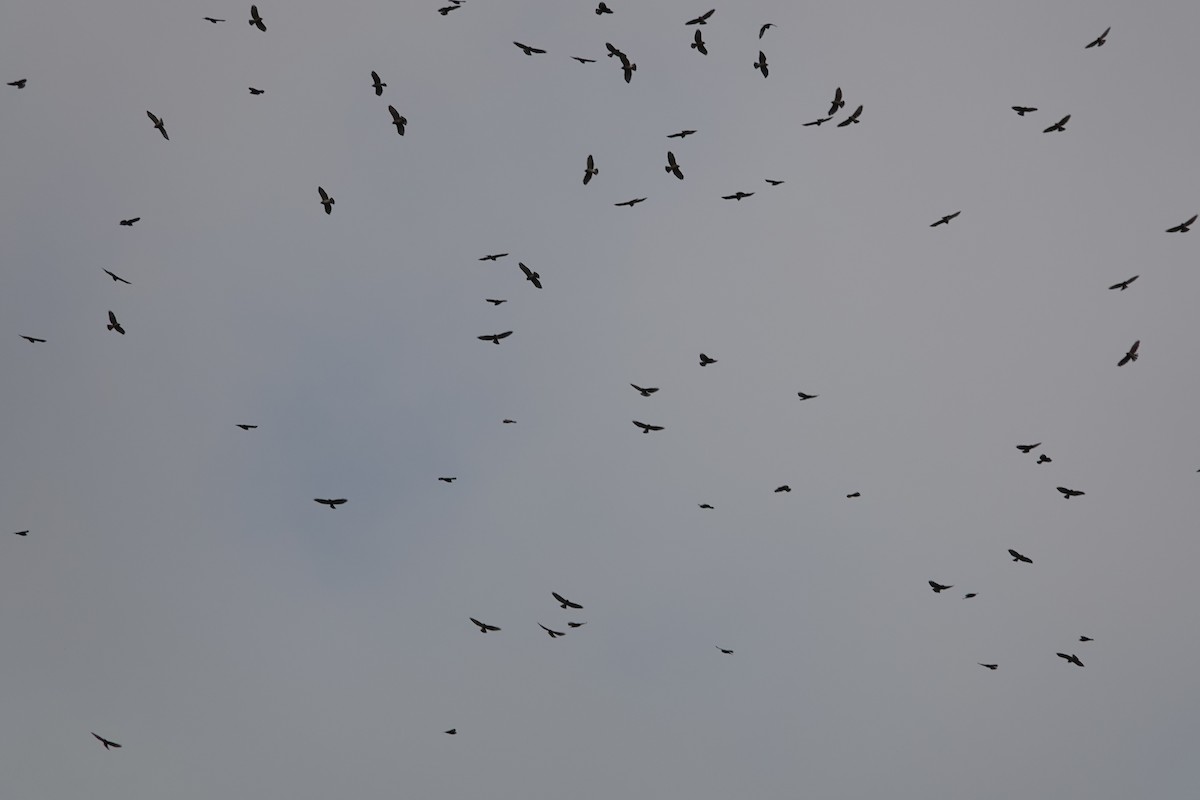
{"x":117,"y":277}
{"x":576,"y":624}
{"x":939,"y":588}
{"x":628,"y":67}
{"x":256,"y":91}
{"x":1069,"y":493}
{"x":763,"y":29}
{"x":552,"y":633}
{"x":214,"y":20}
{"x":698,"y":44}
{"x":946,"y":219}
{"x":1023,"y":110}
{"x":564,"y":602}
{"x":530,"y":275}
{"x":737,"y":196}
{"x":445,"y":10}
{"x":1025,"y":448}
{"x":723,"y":650}
{"x":647,"y":428}
{"x":817,"y":122}
{"x":705,"y":360}
{"x":1183,"y":227}
{"x":1131,"y":355}
{"x":452,"y":731}
{"x":1123,"y":285}
{"x":508,"y":421}
{"x":584,"y":60}
{"x":784,"y":488}
{"x":590,"y":170}
{"x":680,"y":135}
{"x":1086,"y":639}
{"x":31,"y":339}
{"x":702,"y":19}
{"x":854,"y":494}
{"x":20,"y":533}
{"x":527,"y":49}
{"x":631,"y":203}
{"x":969,"y":595}
{"x":128,"y":223}
{"x":1044,"y":459}
{"x":398,"y":120}
{"x":494,"y":301}
{"x":378,"y":84}
{"x":804,"y":396}
{"x":113,"y":325}
{"x":482,"y":627}
{"x":705,"y":505}
{"x":773,"y":183}
{"x":613,"y":51}
{"x":1099,"y":40}
{"x":20,"y":84}
{"x":852,"y":119}
{"x":989,"y":666}
{"x":836,"y":103}
{"x":645,"y":392}
{"x":247,"y":427}
{"x":1018,"y":557}
{"x":107,"y":744}
{"x":326,"y":200}
{"x":256,"y":20}
{"x":333,"y":504}
{"x":495,"y":338}
{"x":1071,"y":659}
{"x":158,"y":124}
{"x":603,"y":9}
{"x":493,"y":256}
{"x":449,"y":480}
{"x":1061,"y":125}
{"x":761,"y":64}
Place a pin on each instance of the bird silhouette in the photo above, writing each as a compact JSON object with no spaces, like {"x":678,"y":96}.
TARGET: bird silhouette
{"x":247,"y":427}
{"x":116,"y":277}
{"x":494,"y":301}
{"x":333,"y":504}
{"x":530,"y":275}
{"x":764,"y":27}
{"x":1123,"y":285}
{"x":398,"y":120}
{"x":213,"y":20}
{"x":1131,"y":355}
{"x":508,"y":421}
{"x":804,"y":396}
{"x":773,"y":183}
{"x":852,"y":119}
{"x":680,"y":135}
{"x":1071,"y":659}
{"x":377,"y":84}
{"x":723,"y":650}
{"x":564,"y":602}
{"x":107,"y":744}
{"x":256,"y":91}
{"x":698,"y":44}
{"x":969,"y":595}
{"x":128,"y":223}
{"x":452,"y":731}
{"x":445,"y":10}
{"x":590,"y":170}
{"x":946,"y":219}
{"x":1025,"y":448}
{"x":20,"y":83}
{"x":784,"y":488}
{"x":31,"y":339}
{"x":737,"y":196}
{"x":1018,"y":557}
{"x":584,"y":60}
{"x":493,"y":256}
{"x":989,"y":666}
{"x":159,"y":125}
{"x":645,"y":392}
{"x":527,"y":49}
{"x":1069,"y":493}
{"x":20,"y":533}
{"x":482,"y":627}
{"x":1023,"y":110}
{"x":673,"y":166}
{"x":705,"y":360}
{"x":702,"y":19}
{"x":495,"y":338}
{"x":613,"y":50}
{"x":326,"y":200}
{"x":1099,"y":40}
{"x":836,"y":103}
{"x":817,"y":122}
{"x":631,"y":203}
{"x":854,"y":494}
{"x":1061,"y":125}
{"x":256,"y":20}
{"x":647,"y":428}
{"x":113,"y":325}
{"x":705,"y":505}
{"x":1183,"y":227}
{"x":761,"y":64}
{"x":1044,"y":459}
{"x":449,"y":480}
{"x":1086,"y":639}
{"x":576,"y":624}
{"x":939,"y":588}
{"x":603,"y":9}
{"x":553,"y":634}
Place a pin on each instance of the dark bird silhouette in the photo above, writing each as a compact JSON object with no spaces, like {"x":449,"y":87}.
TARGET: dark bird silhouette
{"x":644,"y":392}
{"x":705,"y":360}
{"x":989,"y":666}
{"x":773,"y":183}
{"x":20,"y":83}
{"x":494,"y":301}
{"x":256,"y":20}
{"x":817,"y":122}
{"x":1025,"y":448}
{"x":445,"y":10}
{"x":31,"y":339}
{"x":1183,"y":227}
{"x":378,"y":84}
{"x":737,"y":195}
{"x":254,"y":91}
{"x":552,"y":633}
{"x":576,"y":624}
{"x":482,"y":627}
{"x":128,"y":223}
{"x":784,"y":488}
{"x":1099,"y":40}
{"x":1071,"y":659}
{"x":1023,"y":110}
{"x":584,"y":60}
{"x":852,"y":119}
{"x":680,"y":135}
{"x":1131,"y":355}
{"x":804,"y":396}
{"x":723,"y":650}
{"x":702,"y":19}
{"x":631,"y":203}
{"x":113,"y":325}
{"x":1044,"y":459}
{"x":107,"y":744}
{"x":530,"y":275}
{"x":763,"y":29}
{"x":1061,"y":125}
{"x":158,"y":124}
{"x":247,"y":427}
{"x":939,"y":588}
{"x":698,"y":44}
{"x":326,"y":200}
{"x":589,"y":170}
{"x":836,"y":103}
{"x":449,"y":480}
{"x":761,"y":64}
{"x":705,"y":505}
{"x":116,"y":277}
{"x":1069,"y":493}
{"x":647,"y":428}
{"x":495,"y":338}
{"x":564,"y":602}
{"x":1086,"y":639}
{"x":509,"y":421}
{"x":854,"y":494}
{"x":527,"y":49}
{"x":20,"y":533}
{"x":493,"y":256}
{"x":452,"y":731}
{"x":603,"y":9}
{"x":1018,"y":557}
{"x":333,"y":504}
{"x":946,"y":219}
{"x":613,"y":51}
{"x":214,"y":20}
{"x":1123,"y":285}
{"x":969,"y":595}
{"x":628,"y":67}
{"x":398,"y":120}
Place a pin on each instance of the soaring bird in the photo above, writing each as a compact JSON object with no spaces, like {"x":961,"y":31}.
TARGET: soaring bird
{"x":939,"y":588}
{"x":763,"y":29}
{"x":128,"y":223}
{"x":1025,"y":448}
{"x":631,"y":203}
{"x":445,"y":10}
{"x":1099,"y":40}
{"x":1023,"y":110}
{"x":705,"y":505}
{"x":31,"y":339}
{"x":705,"y":360}
{"x":1123,"y":285}
{"x":854,"y":494}
{"x":117,"y":277}
{"x":333,"y":504}
{"x":723,"y":650}
{"x":452,"y":731}
{"x":107,"y":744}
{"x":989,"y":666}
{"x":680,"y":135}
{"x":702,"y":19}
{"x":817,"y":122}
{"x":852,"y":119}
{"x":603,"y":9}
{"x":1061,"y":125}
{"x":247,"y":427}
{"x":576,"y":624}
{"x":1086,"y":639}
{"x":493,"y":256}
{"x":784,"y":488}
{"x":628,"y":67}
{"x":20,"y":84}
{"x":969,"y":595}
{"x":213,"y":20}
{"x":527,"y":49}
{"x":773,"y":183}
{"x":1069,"y":493}
{"x":158,"y":123}
{"x":761,"y":64}
{"x":552,"y":633}
{"x":326,"y":200}
{"x":530,"y":275}
{"x":698,"y":44}
{"x":1132,"y":355}
{"x":584,"y":60}
{"x":647,"y":428}
{"x":398,"y":120}
{"x":804,"y":396}
{"x":20,"y":533}
{"x":256,"y":20}
{"x":113,"y":325}
{"x":495,"y":338}
{"x":737,"y":195}
{"x":564,"y":602}
{"x":254,"y":91}
{"x":1044,"y":459}
{"x":946,"y":219}
{"x":494,"y":301}
{"x":1071,"y":659}
{"x":613,"y":50}
{"x":1018,"y":557}
{"x":508,"y":421}
{"x":590,"y":170}
{"x":449,"y":480}
{"x":378,"y":84}
{"x":837,"y":102}
{"x":482,"y":627}
{"x":645,"y":392}
{"x":1183,"y":227}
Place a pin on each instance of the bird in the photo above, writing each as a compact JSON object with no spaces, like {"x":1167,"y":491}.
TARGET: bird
{"x":1025,"y":448}
{"x":698,"y":44}
{"x":590,"y":170}
{"x":495,"y":338}
{"x":1044,"y":459}
{"x":256,"y":91}
{"x":837,"y":102}
{"x":326,"y":200}
{"x":852,"y":119}
{"x":647,"y":428}
{"x":158,"y":123}
{"x":1123,"y":285}
{"x":1099,"y":40}
{"x":333,"y":504}
{"x":107,"y":744}
{"x":20,"y":84}
{"x":613,"y":51}
{"x":20,"y":533}
{"x":946,"y":219}
{"x":628,"y":67}
{"x":449,"y":480}
{"x":761,"y":64}
{"x":256,"y":20}
{"x":854,"y":494}
{"x":1071,"y":659}
{"x":1018,"y":557}
{"x":804,"y":396}
{"x":939,"y":588}
{"x":773,"y":183}
{"x":645,"y":392}
{"x":398,"y":120}
{"x":113,"y":325}
{"x":680,"y":135}
{"x":603,"y":9}
{"x":564,"y":602}
{"x":494,"y":301}
{"x":1069,"y":493}
{"x":784,"y":488}
{"x":702,"y":19}
{"x":530,"y":275}
{"x":817,"y":122}
{"x":1023,"y":110}
{"x":378,"y":84}
{"x":482,"y":627}
{"x":128,"y":223}
{"x":445,"y":10}
{"x":552,"y":633}
{"x":705,"y":505}
{"x":452,"y":731}
{"x":723,"y":650}
{"x":117,"y":277}
{"x":493,"y":256}
{"x":508,"y":421}
{"x":1086,"y":639}
{"x":1183,"y":227}
{"x":1131,"y":355}
{"x":247,"y":427}
{"x":527,"y":49}
{"x":576,"y":624}
{"x":737,"y":196}
{"x":705,"y":360}
{"x":1061,"y":125}
{"x":989,"y":666}
{"x":969,"y":595}
{"x":213,"y":20}
{"x":764,"y":27}
{"x":584,"y":60}
{"x":31,"y":339}
{"x":631,"y":203}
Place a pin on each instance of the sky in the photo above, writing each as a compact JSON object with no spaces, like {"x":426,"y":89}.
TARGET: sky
{"x":180,"y":593}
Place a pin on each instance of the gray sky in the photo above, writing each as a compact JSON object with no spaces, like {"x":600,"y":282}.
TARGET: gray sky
{"x":180,"y":593}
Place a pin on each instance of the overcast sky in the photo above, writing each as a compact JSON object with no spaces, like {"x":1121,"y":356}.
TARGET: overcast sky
{"x":179,"y":592}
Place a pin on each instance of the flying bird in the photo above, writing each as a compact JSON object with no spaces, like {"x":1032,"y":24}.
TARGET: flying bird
{"x":763,"y":29}
{"x":1018,"y":557}
{"x":761,"y":64}
{"x":645,"y":392}
{"x":247,"y":427}
{"x":495,"y":338}
{"x":527,"y":49}
{"x":590,"y":170}
{"x":378,"y":84}
{"x":494,"y":301}
{"x":31,"y":339}
{"x":213,"y":20}
{"x":698,"y":44}
{"x":1025,"y":448}
{"x":852,"y":119}
{"x":128,"y":223}
{"x":1023,"y":110}
{"x":117,"y":277}
{"x":1131,"y":355}
{"x":565,"y":603}
{"x":989,"y":666}
{"x":1044,"y":459}
{"x":1069,"y":493}
{"x":584,"y":60}
{"x":1183,"y":227}
{"x":939,"y":588}
{"x":333,"y":504}
{"x":631,"y":203}
{"x":20,"y":533}
{"x":804,"y":396}
{"x":946,"y":219}
{"x":628,"y":67}
{"x":445,"y":11}
{"x":705,"y":505}
{"x":1123,"y":285}
{"x":784,"y":488}
{"x":1086,"y":639}
{"x":508,"y":421}
{"x":773,"y":183}
{"x":613,"y":51}
{"x":398,"y":120}
{"x":254,"y":91}
{"x":854,"y":494}
{"x":482,"y":627}
{"x":1071,"y":659}
{"x":702,"y":19}
{"x":837,"y":102}
{"x":1061,"y":125}
{"x":452,"y":731}
{"x":723,"y":650}
{"x":705,"y":360}
{"x":449,"y":480}
{"x":737,"y":196}
{"x":256,"y":20}
{"x":107,"y":744}
{"x":326,"y":200}
{"x":158,"y":124}
{"x":552,"y":633}
{"x":647,"y":428}
{"x":603,"y":9}
{"x":680,"y":135}
{"x":576,"y":624}
{"x":1099,"y":40}
{"x":530,"y":275}
{"x":817,"y":122}
{"x":969,"y":595}
{"x":493,"y":256}
{"x":113,"y":325}
{"x":20,"y":84}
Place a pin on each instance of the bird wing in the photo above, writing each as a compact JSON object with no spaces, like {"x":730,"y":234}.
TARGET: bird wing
{"x":112,"y":318}
{"x":671,"y":159}
{"x":528,"y":272}
{"x":338,"y":501}
{"x":641,"y":425}
{"x":324,"y":195}
{"x":504,"y":335}
{"x":1133,"y":350}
